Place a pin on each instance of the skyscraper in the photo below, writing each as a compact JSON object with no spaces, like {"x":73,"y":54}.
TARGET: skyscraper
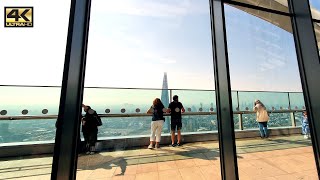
{"x":165,"y":91}
{"x":165,"y":99}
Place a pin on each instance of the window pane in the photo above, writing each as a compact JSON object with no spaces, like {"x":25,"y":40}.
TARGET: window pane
{"x":263,"y":66}
{"x":32,"y":61}
{"x":139,"y":50}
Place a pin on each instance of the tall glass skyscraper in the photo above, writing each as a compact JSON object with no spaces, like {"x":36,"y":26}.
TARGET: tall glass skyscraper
{"x":165,"y":98}
{"x":165,"y":92}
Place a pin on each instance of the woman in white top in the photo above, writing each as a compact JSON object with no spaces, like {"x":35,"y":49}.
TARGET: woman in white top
{"x":262,"y":118}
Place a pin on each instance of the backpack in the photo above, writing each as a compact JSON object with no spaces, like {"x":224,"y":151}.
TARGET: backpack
{"x":98,"y":119}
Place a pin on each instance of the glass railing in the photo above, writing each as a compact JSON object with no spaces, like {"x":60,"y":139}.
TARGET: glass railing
{"x":31,"y":114}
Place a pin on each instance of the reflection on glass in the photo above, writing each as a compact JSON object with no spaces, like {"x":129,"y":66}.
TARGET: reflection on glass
{"x":317,"y":32}
{"x":315,"y":9}
{"x":269,"y":4}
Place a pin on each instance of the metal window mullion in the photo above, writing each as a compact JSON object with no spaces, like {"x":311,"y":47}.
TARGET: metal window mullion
{"x":64,"y":164}
{"x":309,"y":67}
{"x":228,"y":158}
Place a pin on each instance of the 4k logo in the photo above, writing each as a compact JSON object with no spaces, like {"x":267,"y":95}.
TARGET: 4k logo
{"x":18,"y":17}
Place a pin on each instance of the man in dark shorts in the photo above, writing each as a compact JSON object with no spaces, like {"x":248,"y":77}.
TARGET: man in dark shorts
{"x":175,"y":108}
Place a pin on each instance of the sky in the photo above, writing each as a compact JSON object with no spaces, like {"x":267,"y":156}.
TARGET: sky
{"x":133,"y":42}
{"x":315,"y":4}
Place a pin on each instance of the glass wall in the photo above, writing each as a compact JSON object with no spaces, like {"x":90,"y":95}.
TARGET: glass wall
{"x":32,"y":58}
{"x":139,"y":51}
{"x":262,"y":57}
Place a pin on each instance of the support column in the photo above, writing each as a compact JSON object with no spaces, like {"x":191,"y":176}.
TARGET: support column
{"x":228,"y":156}
{"x":309,"y":67}
{"x":65,"y":156}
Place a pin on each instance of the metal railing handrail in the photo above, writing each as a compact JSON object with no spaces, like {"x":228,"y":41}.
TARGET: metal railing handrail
{"x":37,"y":117}
{"x":101,"y":87}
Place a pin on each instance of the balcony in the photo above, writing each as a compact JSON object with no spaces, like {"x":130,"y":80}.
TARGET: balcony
{"x":287,"y":157}
{"x":27,"y":137}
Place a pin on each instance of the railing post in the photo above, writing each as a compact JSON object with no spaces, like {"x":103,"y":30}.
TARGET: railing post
{"x":240,"y":121}
{"x":240,"y":115}
{"x":293,"y":120}
{"x":169,"y":118}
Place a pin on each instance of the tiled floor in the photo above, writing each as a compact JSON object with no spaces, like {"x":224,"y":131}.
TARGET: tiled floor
{"x":279,"y":158}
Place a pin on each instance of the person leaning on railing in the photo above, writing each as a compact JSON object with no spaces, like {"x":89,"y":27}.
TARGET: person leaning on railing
{"x":262,"y":118}
{"x":157,"y":123}
{"x":175,"y":109}
{"x":90,"y":123}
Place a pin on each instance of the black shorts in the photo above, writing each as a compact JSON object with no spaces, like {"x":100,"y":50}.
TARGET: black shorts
{"x":176,"y":124}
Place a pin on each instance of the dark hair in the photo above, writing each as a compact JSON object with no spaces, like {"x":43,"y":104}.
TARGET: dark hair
{"x":157,"y":102}
{"x":175,"y":98}
{"x":259,"y":102}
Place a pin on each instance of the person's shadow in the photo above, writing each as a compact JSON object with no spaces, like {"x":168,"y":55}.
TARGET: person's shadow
{"x":96,"y":161}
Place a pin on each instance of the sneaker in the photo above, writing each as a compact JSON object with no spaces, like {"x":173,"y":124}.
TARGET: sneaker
{"x":91,"y":153}
{"x":179,"y":144}
{"x":88,"y":152}
{"x":305,"y":136}
{"x":150,"y":146}
{"x":157,"y":147}
{"x":173,"y":145}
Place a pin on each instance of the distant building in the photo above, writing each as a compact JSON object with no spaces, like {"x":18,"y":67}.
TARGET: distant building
{"x":165,"y":91}
{"x":165,"y":98}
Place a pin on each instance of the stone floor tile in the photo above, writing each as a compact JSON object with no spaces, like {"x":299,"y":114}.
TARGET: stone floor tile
{"x":102,"y":173}
{"x":191,"y":173}
{"x":170,"y":174}
{"x":146,"y":168}
{"x":167,"y":165}
{"x":126,"y":170}
{"x":148,"y":176}
{"x":83,"y":174}
{"x":210,"y":172}
{"x":185,"y":163}
{"x":124,"y":177}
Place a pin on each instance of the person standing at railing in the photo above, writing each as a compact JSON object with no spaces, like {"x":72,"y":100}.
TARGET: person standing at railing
{"x":305,"y":125}
{"x":175,"y":108}
{"x":90,"y":123}
{"x":157,"y":123}
{"x":262,"y":118}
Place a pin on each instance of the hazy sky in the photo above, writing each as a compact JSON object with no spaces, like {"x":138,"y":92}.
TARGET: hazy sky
{"x":315,"y":4}
{"x":132,"y":42}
